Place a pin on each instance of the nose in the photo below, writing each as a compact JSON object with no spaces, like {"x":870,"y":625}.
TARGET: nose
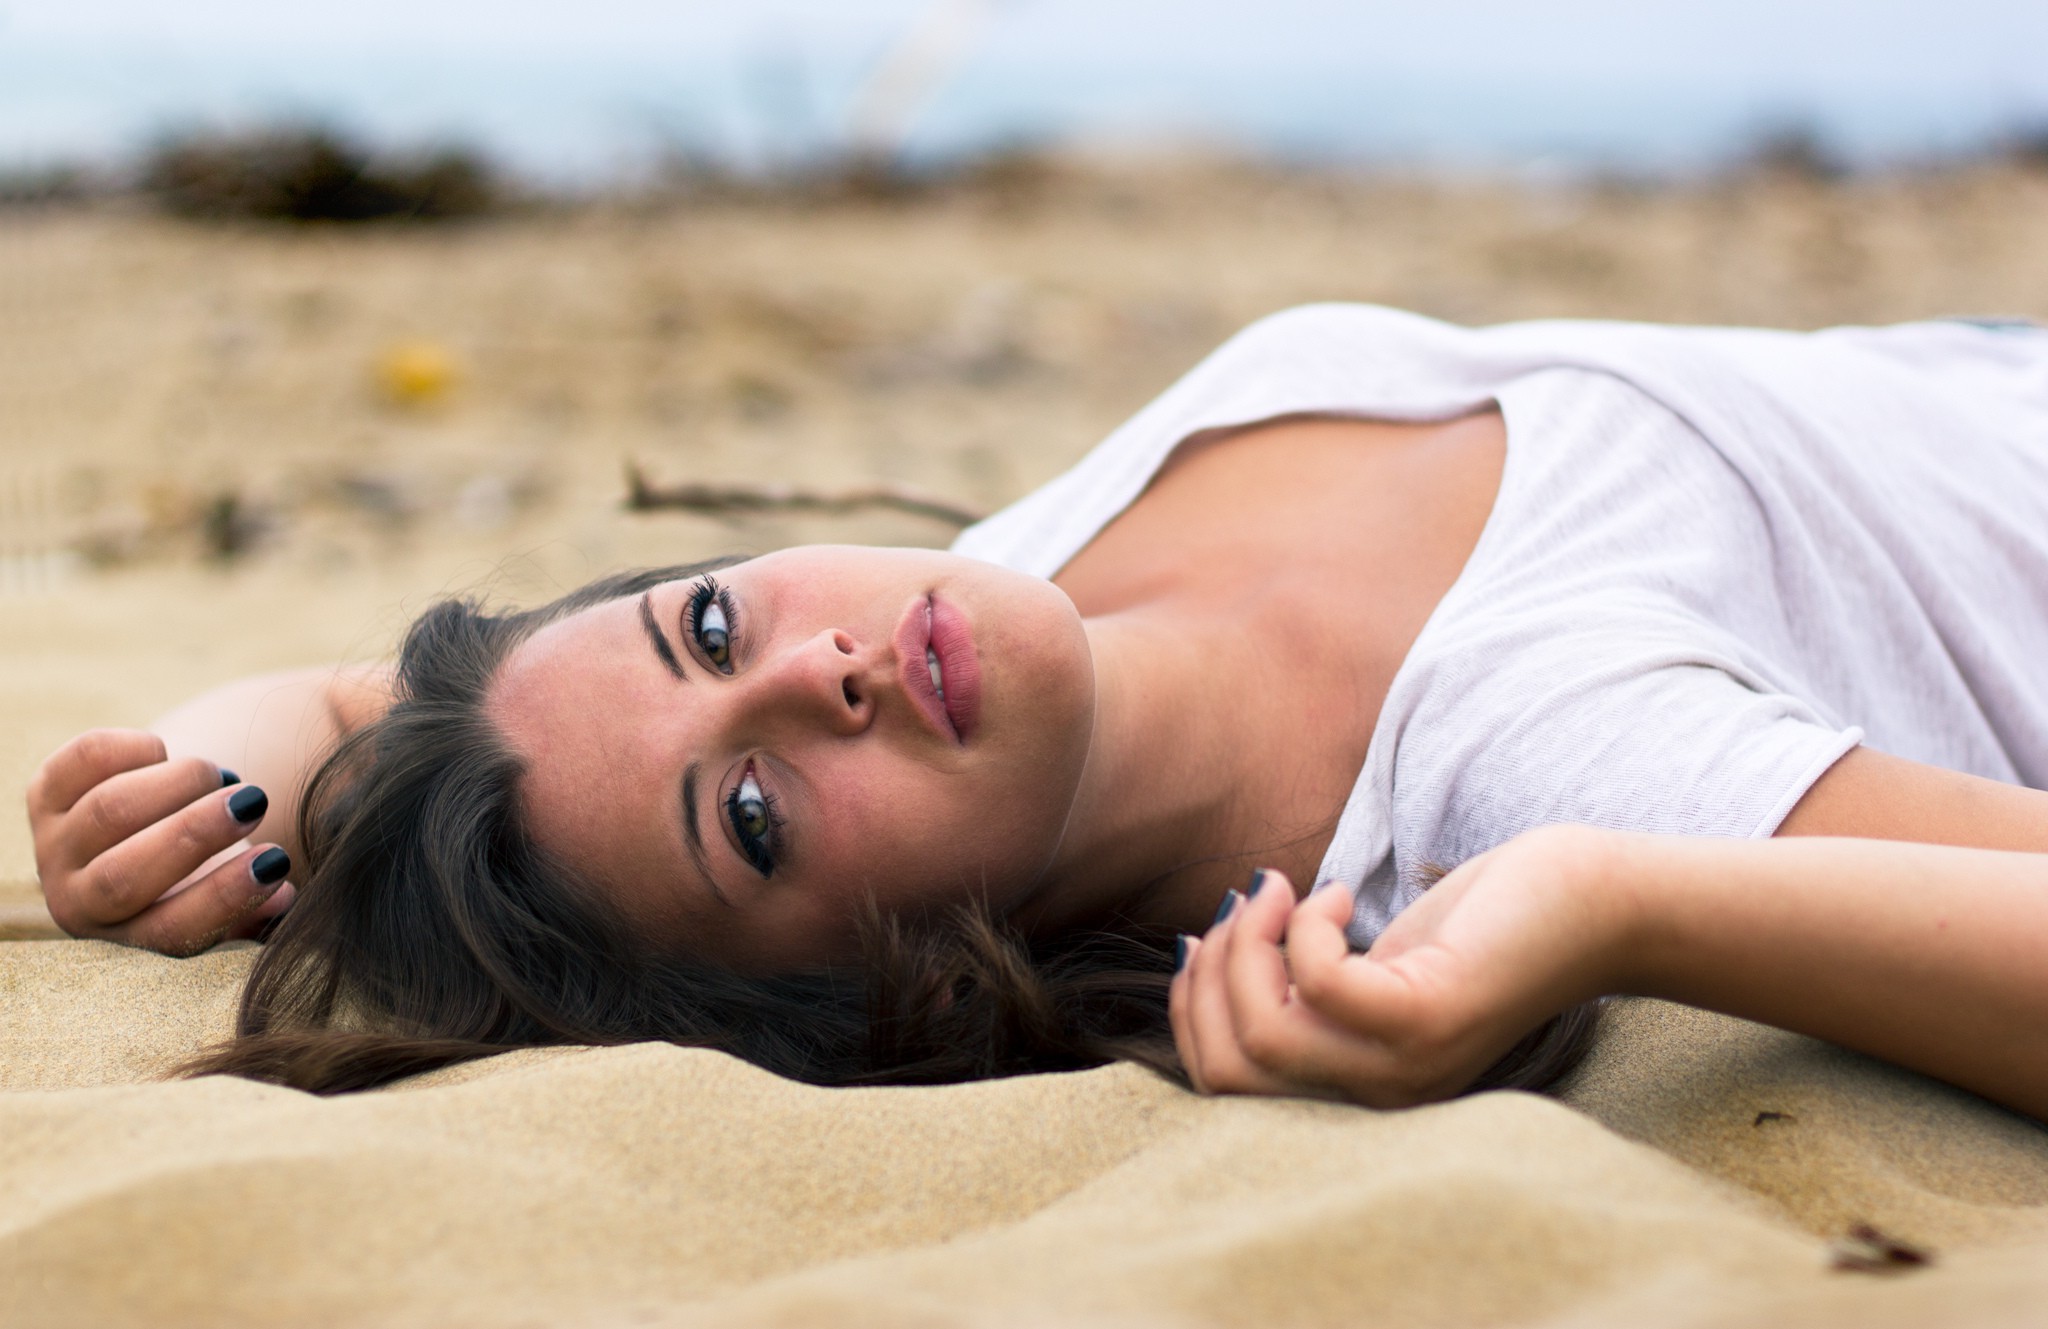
{"x":826,"y":679}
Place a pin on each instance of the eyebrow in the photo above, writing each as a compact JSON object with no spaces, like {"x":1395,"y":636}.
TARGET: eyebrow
{"x":654,"y":635}
{"x":693,"y":837}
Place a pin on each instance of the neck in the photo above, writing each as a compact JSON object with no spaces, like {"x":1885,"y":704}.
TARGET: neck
{"x":1156,"y":823}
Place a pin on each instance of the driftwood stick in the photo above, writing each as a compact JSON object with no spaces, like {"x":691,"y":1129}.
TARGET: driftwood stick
{"x":642,"y":495}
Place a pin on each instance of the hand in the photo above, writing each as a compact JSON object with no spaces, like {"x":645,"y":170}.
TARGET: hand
{"x":1490,"y":952}
{"x":134,"y":848}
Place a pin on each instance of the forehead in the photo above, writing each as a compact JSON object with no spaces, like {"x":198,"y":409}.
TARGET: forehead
{"x":567,"y":663}
{"x":585,"y":704}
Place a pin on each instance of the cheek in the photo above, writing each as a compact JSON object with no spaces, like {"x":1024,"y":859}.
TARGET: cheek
{"x":1046,"y":680}
{"x":915,"y":836}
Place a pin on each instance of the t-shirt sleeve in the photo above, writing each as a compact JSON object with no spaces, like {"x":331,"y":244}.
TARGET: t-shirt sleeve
{"x":1633,"y":737}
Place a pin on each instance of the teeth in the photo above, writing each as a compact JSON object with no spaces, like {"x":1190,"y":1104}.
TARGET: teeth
{"x":931,"y":662}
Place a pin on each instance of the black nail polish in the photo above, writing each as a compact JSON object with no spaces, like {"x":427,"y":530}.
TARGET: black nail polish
{"x":1180,"y":952}
{"x":269,"y":867}
{"x":248,"y":804}
{"x":228,"y":777}
{"x":1258,"y":880}
{"x":1230,"y":899}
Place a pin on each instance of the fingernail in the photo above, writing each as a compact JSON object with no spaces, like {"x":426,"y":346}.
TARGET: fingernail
{"x":269,"y":867}
{"x":248,"y":804}
{"x":1258,"y":883}
{"x":1180,"y":952}
{"x":1230,"y":901}
{"x":228,"y":777}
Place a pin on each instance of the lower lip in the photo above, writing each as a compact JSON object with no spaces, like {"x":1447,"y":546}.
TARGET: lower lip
{"x":959,"y":665}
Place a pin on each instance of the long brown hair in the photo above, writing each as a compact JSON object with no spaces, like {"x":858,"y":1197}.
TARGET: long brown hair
{"x":430,"y":929}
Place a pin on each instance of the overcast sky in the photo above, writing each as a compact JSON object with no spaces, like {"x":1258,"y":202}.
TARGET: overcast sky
{"x":549,"y":79}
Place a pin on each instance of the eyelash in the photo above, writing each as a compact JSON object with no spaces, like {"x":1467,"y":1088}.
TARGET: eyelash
{"x":709,"y":592}
{"x":759,"y":852}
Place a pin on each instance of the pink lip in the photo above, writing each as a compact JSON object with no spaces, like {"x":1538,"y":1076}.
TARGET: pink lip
{"x":960,"y":664}
{"x":931,"y":623}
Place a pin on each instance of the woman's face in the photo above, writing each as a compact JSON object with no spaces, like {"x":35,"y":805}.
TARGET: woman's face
{"x":740,"y":761}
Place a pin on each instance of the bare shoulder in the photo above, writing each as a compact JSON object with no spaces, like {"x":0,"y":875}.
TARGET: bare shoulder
{"x":1874,"y":795}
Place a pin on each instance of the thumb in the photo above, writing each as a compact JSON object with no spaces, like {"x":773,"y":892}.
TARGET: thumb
{"x":1315,"y":930}
{"x":1357,"y":991}
{"x":1334,"y":901}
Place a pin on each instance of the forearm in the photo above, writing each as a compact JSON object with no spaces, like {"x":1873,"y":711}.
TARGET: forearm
{"x":1932,"y":957}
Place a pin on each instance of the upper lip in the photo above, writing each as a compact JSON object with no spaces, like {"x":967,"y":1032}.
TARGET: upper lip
{"x":913,"y":639}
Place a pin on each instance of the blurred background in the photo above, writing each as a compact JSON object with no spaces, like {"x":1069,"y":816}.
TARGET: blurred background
{"x":310,"y":313}
{"x":594,"y":94}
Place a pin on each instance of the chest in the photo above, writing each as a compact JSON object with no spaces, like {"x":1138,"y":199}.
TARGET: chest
{"x":1289,"y":569}
{"x":1332,"y":540}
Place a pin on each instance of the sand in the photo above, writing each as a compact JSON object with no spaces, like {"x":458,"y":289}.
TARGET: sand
{"x":649,"y":1185}
{"x":1699,"y":1173}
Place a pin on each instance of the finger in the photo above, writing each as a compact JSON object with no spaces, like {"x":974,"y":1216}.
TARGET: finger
{"x":1218,"y":1066}
{"x":255,"y":923}
{"x":1290,"y":1050}
{"x":1255,"y":978}
{"x":1316,"y":931}
{"x":1254,"y":969}
{"x":1280,"y":1039}
{"x":279,"y":901}
{"x":195,"y":919}
{"x":1177,"y":1012}
{"x":85,"y":761}
{"x":126,"y":878}
{"x":1224,"y":1067}
{"x":1346,"y":987}
{"x":1194,"y":992}
{"x":129,"y":801}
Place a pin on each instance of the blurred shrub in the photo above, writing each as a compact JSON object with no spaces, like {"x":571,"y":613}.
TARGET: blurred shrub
{"x":313,"y":174}
{"x":2027,"y":145}
{"x":1794,"y":150}
{"x":48,"y":185}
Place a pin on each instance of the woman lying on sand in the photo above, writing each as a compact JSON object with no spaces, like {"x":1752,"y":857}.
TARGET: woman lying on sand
{"x":1364,"y":597}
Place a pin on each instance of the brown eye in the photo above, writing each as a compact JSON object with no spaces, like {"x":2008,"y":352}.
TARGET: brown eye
{"x":752,"y":814}
{"x":713,"y":636}
{"x":711,"y":615}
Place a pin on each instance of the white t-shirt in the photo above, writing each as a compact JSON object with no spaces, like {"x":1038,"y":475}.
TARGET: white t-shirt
{"x":1719,"y":559}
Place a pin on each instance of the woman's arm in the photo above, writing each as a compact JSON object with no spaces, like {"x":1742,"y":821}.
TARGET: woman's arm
{"x":176,"y":838}
{"x":1874,"y":795}
{"x":1925,"y":955}
{"x":272,"y":729}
